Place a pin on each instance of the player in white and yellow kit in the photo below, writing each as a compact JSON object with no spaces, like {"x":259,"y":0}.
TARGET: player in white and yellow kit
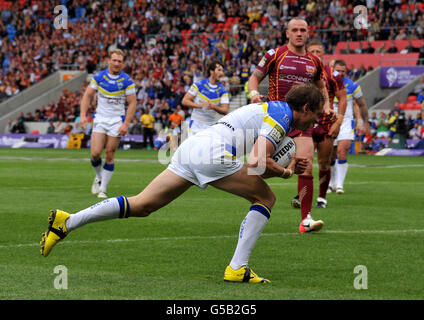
{"x":207,"y":98}
{"x":346,"y":136}
{"x":210,"y":158}
{"x":114,"y":89}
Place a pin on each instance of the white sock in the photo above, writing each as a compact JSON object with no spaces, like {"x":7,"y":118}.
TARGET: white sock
{"x":342,"y":167}
{"x":106,"y":176}
{"x":333,"y":178}
{"x":107,"y":209}
{"x":97,"y":166}
{"x":250,"y":230}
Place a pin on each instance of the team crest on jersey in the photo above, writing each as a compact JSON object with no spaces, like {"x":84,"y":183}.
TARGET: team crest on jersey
{"x":310,"y":69}
{"x":277,"y":134}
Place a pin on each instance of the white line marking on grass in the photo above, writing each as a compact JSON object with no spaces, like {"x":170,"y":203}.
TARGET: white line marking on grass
{"x":282,"y":184}
{"x":382,"y":166}
{"x":73,"y":159}
{"x":182,"y":238}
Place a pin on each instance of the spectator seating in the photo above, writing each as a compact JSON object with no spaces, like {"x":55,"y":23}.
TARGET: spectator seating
{"x":375,"y":59}
{"x":410,"y":104}
{"x":400,"y":44}
{"x":169,"y":24}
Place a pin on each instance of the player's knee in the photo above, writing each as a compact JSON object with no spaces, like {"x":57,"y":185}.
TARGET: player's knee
{"x":268,"y":199}
{"x":109,"y":155}
{"x":324,"y":164}
{"x":273,"y":198}
{"x":342,"y":155}
{"x":95,"y":155}
{"x":308,"y":170}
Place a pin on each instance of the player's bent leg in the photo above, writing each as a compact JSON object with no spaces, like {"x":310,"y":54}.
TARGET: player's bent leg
{"x":259,"y":194}
{"x":249,"y":186}
{"x":166,"y":187}
{"x":162,"y":190}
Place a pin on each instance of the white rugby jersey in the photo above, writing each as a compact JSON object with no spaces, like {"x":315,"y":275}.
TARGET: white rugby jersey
{"x":241,"y":128}
{"x":203,"y":91}
{"x":111,"y":93}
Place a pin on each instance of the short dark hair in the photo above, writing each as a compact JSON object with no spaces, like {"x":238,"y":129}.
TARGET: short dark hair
{"x":340,"y":62}
{"x":307,"y":93}
{"x":212,"y":66}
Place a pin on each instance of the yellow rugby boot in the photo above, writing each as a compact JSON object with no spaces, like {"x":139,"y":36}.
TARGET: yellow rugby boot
{"x":55,"y":232}
{"x":244,"y":274}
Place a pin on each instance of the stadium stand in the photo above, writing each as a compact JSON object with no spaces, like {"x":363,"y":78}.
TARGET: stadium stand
{"x":168,"y":42}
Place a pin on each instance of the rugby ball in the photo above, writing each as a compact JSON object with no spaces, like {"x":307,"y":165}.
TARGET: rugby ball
{"x":284,"y":152}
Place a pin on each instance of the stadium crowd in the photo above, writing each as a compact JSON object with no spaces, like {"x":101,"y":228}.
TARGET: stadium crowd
{"x":385,"y":126}
{"x":168,"y":43}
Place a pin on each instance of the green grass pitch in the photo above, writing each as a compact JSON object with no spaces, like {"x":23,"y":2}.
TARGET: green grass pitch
{"x":181,"y":251}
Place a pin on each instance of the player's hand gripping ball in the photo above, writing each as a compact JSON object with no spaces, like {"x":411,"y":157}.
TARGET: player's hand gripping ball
{"x":284,"y":152}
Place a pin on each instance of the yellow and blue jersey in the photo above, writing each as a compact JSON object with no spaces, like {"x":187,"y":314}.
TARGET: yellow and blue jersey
{"x":241,"y":128}
{"x":244,"y":75}
{"x":278,"y":120}
{"x":204,"y":91}
{"x":111,"y":93}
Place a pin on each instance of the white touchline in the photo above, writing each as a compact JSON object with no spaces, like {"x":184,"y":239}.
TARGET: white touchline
{"x":22,"y":158}
{"x":182,"y":238}
{"x":71,"y":159}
